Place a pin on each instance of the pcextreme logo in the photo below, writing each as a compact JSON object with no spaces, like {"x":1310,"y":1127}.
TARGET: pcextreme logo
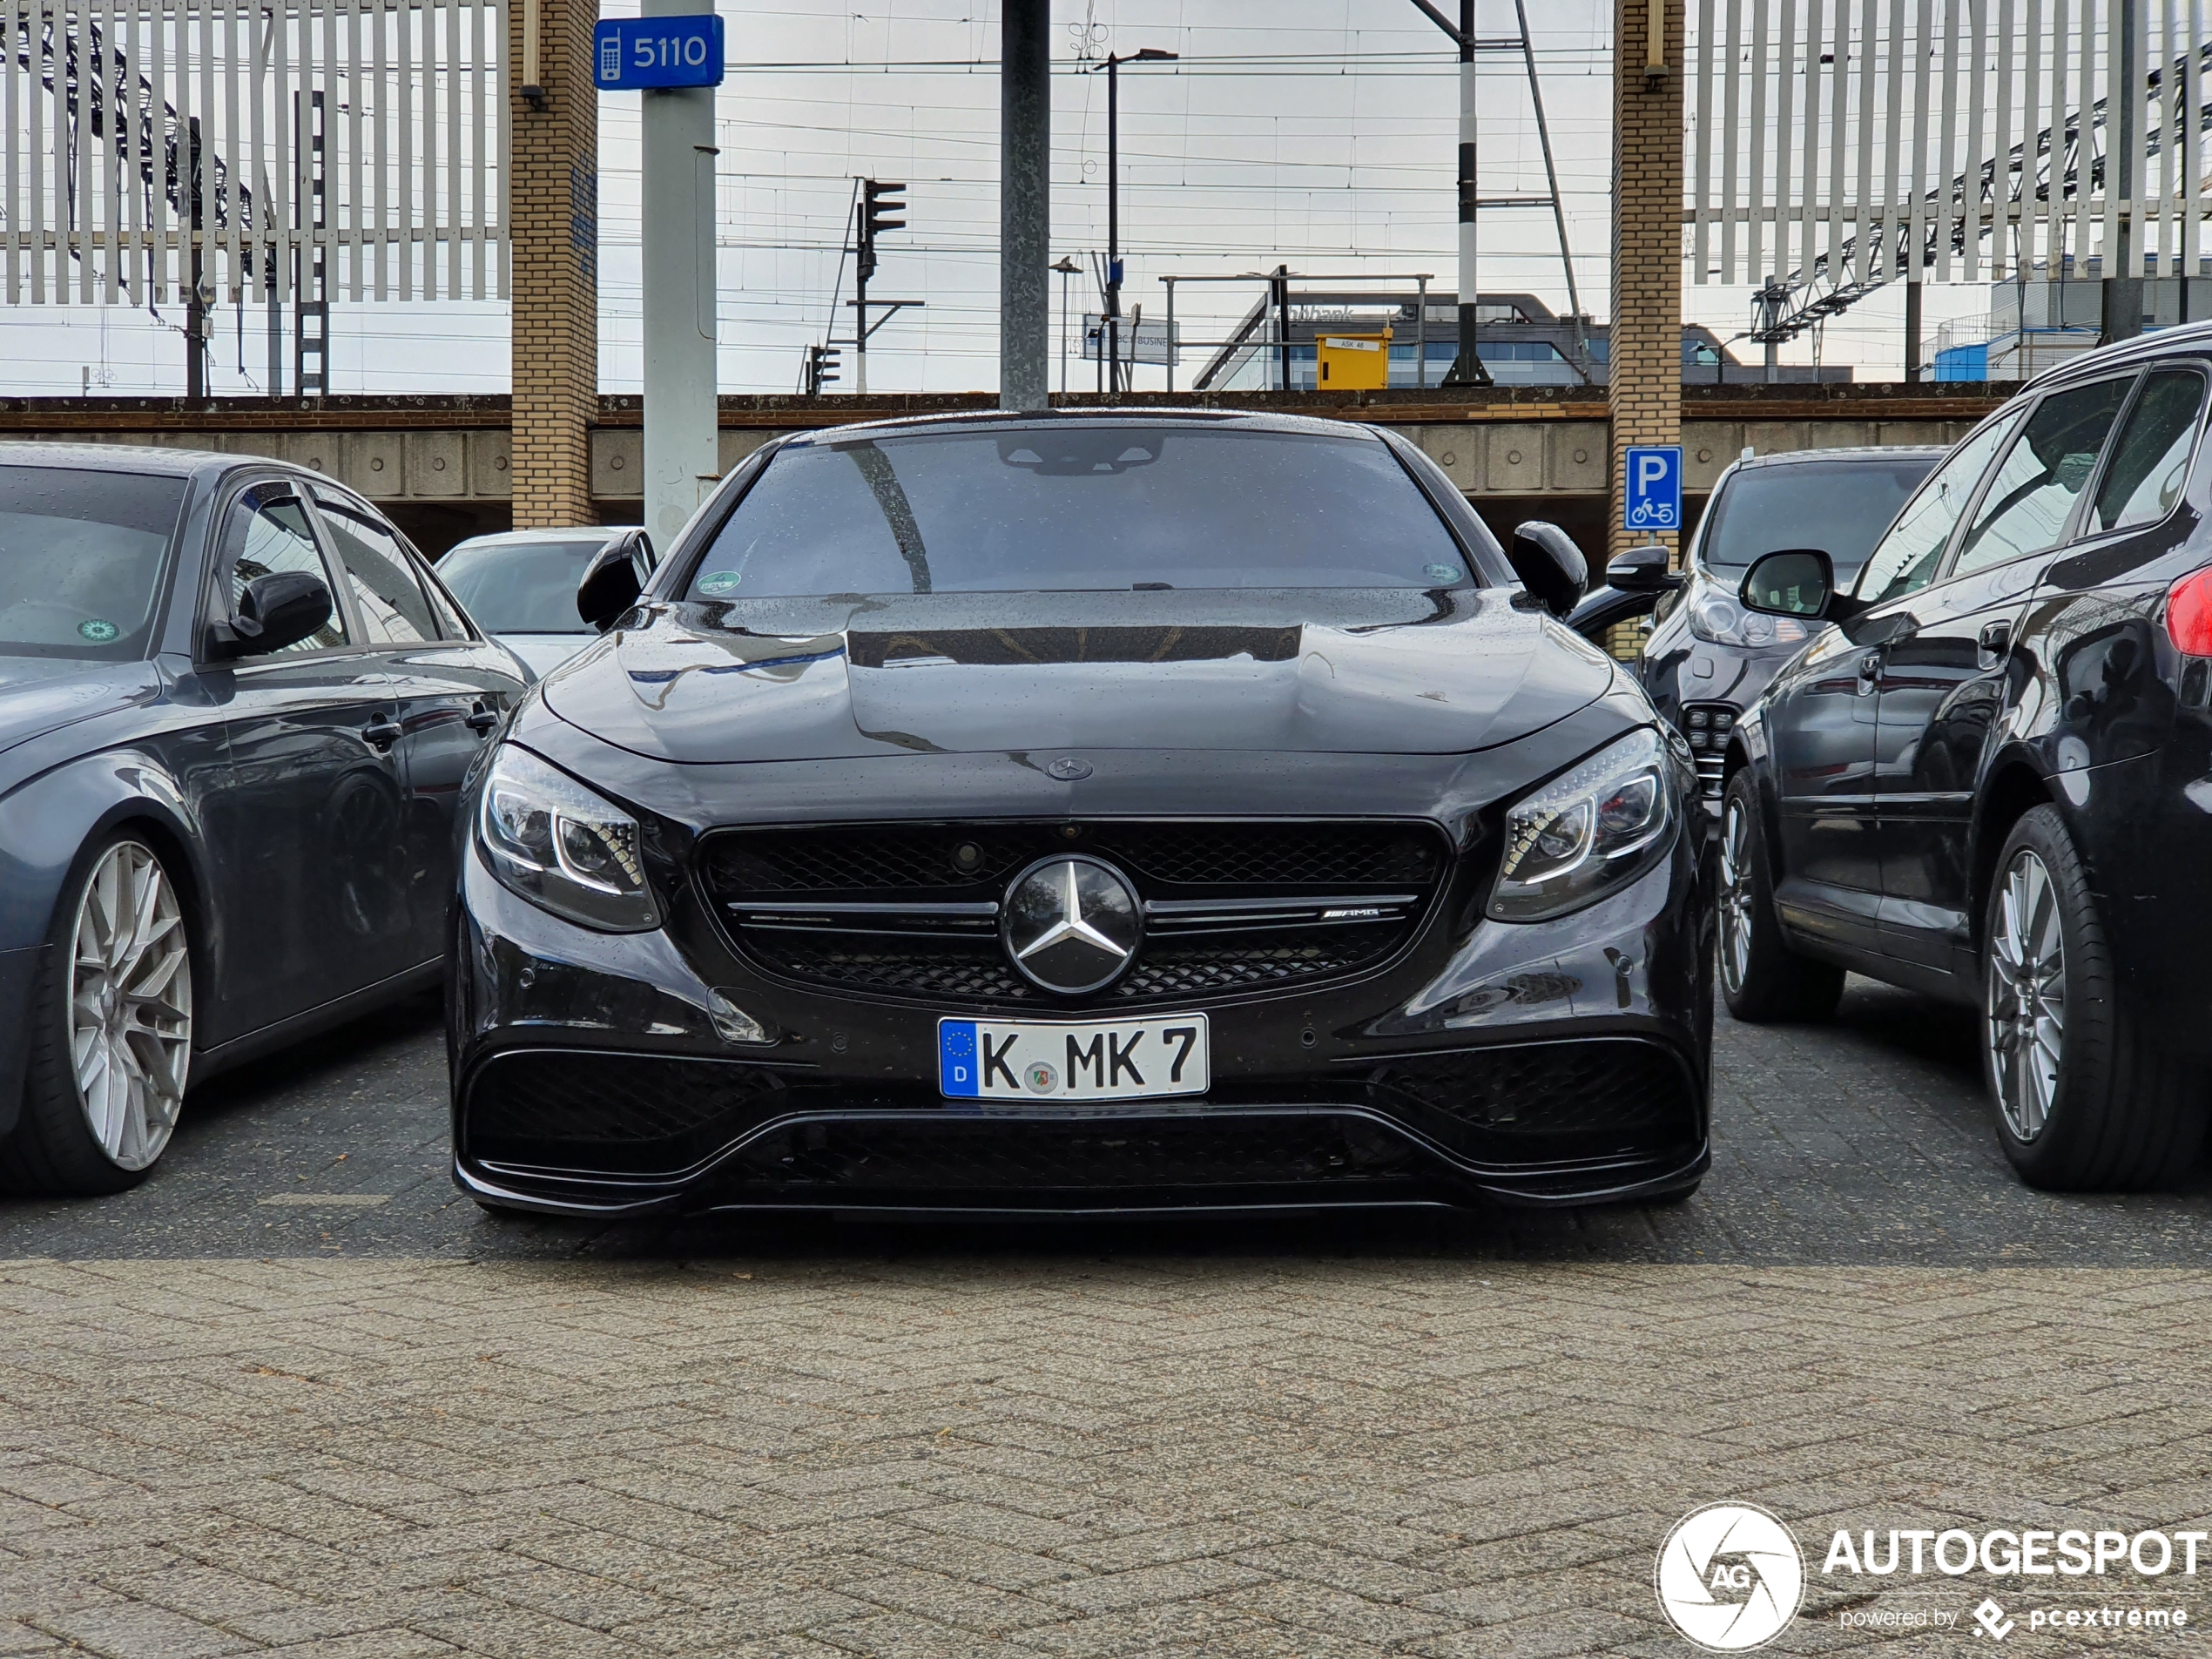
{"x":1731,"y":1577}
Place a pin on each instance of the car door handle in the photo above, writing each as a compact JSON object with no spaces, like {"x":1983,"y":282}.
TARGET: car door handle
{"x":1993,"y":641}
{"x":1870,"y":671}
{"x":382,"y":734}
{"x":483,"y":720}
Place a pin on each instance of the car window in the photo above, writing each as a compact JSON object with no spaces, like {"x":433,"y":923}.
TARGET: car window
{"x":450,"y":624}
{"x":2150,"y":461}
{"x":394,"y":609}
{"x":522,"y":587}
{"x":82,"y":555}
{"x":268,"y":532}
{"x":1840,"y":507}
{"x":1905,"y":560}
{"x":1080,"y":506}
{"x":2031,"y":496}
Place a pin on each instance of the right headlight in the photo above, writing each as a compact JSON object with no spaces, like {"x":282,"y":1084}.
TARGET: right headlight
{"x":561,"y":847}
{"x":1719,"y":620}
{"x":1587,"y":833}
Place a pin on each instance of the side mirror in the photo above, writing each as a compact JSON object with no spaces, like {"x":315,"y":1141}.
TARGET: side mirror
{"x":1642,"y":569}
{"x":1799,"y":582}
{"x":640,"y":551}
{"x":1549,"y":565}
{"x":277,"y":610}
{"x":612,"y":583}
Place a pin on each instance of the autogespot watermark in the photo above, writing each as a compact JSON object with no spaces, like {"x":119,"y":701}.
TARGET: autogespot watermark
{"x":1731,"y":1577}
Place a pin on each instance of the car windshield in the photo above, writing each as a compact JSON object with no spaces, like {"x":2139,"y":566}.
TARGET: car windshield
{"x":81,"y":557}
{"x":1103,"y":506}
{"x":1841,"y":507}
{"x":520,"y":587}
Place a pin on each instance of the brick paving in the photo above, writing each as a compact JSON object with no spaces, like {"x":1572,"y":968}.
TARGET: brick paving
{"x":393,"y":1428}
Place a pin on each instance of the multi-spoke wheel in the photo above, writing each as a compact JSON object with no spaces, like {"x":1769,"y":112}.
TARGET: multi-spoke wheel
{"x":129,"y":1006}
{"x":112,"y":1036}
{"x":1761,"y":977}
{"x":2085,"y":1099}
{"x":2026,"y":1024}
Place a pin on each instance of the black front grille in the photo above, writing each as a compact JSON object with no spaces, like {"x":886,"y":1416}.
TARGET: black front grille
{"x":1596,"y":1098}
{"x":1071,"y":1161}
{"x":762,"y":880}
{"x":957,"y":860}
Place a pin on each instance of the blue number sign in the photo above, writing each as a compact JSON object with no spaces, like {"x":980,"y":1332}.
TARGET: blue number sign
{"x":1651,"y":489}
{"x":631,"y":54}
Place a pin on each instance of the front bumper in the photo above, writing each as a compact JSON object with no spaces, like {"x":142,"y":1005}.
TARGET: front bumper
{"x":1562,"y":1062}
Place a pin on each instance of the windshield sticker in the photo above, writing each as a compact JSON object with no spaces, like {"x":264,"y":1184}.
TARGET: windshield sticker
{"x":1442,"y":572}
{"x":98,"y":630}
{"x":721,"y":582}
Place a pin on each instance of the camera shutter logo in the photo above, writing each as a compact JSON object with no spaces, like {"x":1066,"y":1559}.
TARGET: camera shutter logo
{"x":1731,"y":1577}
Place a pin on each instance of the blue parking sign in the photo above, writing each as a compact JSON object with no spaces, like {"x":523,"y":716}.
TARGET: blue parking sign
{"x":633,"y":54}
{"x":1651,"y":488}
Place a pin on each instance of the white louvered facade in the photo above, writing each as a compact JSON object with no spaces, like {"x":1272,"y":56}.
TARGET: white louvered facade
{"x":1828,"y":139}
{"x":408,"y":102}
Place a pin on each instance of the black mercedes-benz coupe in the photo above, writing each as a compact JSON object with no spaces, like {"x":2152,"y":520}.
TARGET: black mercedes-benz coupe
{"x":1992,"y":779}
{"x":1047,"y":813}
{"x":236,"y":708}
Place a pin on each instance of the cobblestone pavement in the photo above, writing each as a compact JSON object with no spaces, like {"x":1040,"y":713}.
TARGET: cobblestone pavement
{"x":363,"y":1420}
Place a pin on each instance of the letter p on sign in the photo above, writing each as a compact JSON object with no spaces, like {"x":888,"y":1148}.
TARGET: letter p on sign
{"x":1651,"y":488}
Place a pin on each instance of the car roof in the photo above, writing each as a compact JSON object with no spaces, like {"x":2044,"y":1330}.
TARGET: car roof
{"x":143,"y":458}
{"x":2190,"y":338}
{"x":521,"y":538}
{"x":1253,"y":420}
{"x":1866,"y":452}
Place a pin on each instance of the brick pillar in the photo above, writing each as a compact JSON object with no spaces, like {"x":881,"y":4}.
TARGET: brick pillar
{"x":1644,"y":389}
{"x":553,"y":196}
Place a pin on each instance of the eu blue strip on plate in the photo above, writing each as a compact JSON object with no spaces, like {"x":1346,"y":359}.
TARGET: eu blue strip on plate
{"x":956,"y":1058}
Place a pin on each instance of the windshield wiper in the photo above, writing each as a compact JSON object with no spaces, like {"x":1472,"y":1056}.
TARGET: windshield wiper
{"x":1151,"y":587}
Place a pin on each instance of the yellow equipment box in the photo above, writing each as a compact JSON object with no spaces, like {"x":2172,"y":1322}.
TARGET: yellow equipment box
{"x":1355,"y":362}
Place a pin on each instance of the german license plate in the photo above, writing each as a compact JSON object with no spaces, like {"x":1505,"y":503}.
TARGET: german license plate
{"x":1053,"y":1060}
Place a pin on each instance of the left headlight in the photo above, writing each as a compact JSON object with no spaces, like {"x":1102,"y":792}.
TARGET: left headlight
{"x":1587,"y":833}
{"x":561,"y":847}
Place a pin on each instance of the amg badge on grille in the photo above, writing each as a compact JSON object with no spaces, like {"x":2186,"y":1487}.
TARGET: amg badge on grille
{"x":1071,"y":923}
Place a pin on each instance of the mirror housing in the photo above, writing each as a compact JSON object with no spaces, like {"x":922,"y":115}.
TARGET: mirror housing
{"x":614,"y":579}
{"x":277,"y":610}
{"x":1549,"y":565}
{"x":1642,"y":569}
{"x":1798,"y":582}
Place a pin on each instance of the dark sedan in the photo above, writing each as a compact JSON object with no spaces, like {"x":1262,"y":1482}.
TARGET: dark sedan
{"x":1709,"y":657}
{"x":1044,"y":814}
{"x":1991,"y":780}
{"x":235,"y":712}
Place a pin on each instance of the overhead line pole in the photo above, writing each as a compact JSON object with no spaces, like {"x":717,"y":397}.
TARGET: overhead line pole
{"x":1466,"y":367}
{"x":1025,"y":205}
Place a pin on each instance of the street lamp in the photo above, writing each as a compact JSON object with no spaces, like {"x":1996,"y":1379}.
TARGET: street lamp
{"x":1067,"y":267}
{"x":1112,"y":325}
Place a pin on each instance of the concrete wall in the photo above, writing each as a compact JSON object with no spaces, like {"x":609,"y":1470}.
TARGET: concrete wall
{"x":444,"y":466}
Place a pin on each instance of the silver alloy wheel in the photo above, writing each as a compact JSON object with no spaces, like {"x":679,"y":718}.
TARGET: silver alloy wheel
{"x":2025,"y":1023}
{"x":129,"y":1006}
{"x":1735,"y":897}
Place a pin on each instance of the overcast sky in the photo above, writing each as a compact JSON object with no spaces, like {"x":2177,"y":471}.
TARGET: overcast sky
{"x":1315,"y":132}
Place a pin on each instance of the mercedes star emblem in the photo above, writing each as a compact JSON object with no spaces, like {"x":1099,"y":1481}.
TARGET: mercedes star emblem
{"x":1071,"y":923}
{"x":1068,"y":769}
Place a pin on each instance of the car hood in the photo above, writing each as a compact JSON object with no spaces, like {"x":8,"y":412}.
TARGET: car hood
{"x":1395,"y":672}
{"x":39,"y":693}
